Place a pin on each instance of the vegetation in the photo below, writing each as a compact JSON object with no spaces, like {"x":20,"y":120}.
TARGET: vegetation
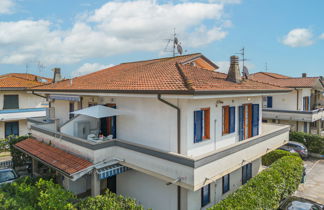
{"x":314,"y":143}
{"x":271,"y":157}
{"x":39,"y":194}
{"x":18,"y":158}
{"x":268,"y":188}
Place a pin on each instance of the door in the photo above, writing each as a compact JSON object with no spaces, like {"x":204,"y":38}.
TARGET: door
{"x":198,"y":117}
{"x":11,"y":128}
{"x":112,"y":184}
{"x":247,"y":121}
{"x":255,"y":119}
{"x":108,"y":125}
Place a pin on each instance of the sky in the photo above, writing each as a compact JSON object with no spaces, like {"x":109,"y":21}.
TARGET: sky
{"x":79,"y":36}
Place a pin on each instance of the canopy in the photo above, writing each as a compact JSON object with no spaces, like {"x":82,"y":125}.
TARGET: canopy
{"x":99,"y":111}
{"x":112,"y":170}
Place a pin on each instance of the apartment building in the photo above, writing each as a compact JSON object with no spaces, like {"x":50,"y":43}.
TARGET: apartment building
{"x":173,"y":133}
{"x":302,"y":109}
{"x":17,"y":104}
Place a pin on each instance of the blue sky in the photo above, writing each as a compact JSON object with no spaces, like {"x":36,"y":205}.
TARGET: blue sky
{"x":83,"y":36}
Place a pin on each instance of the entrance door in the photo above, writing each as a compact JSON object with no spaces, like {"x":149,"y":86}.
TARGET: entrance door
{"x":11,"y":128}
{"x":112,"y":184}
{"x":108,"y":124}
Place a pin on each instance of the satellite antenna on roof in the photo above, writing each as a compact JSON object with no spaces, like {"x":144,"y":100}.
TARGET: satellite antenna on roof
{"x":176,"y":48}
{"x":246,"y":73}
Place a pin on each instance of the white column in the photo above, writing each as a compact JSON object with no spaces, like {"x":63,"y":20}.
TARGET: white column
{"x":95,"y":183}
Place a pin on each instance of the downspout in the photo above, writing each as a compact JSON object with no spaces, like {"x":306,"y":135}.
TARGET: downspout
{"x":178,"y":141}
{"x":38,"y":95}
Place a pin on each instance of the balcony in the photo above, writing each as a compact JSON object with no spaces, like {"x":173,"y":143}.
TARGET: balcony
{"x":19,"y":114}
{"x":303,"y":116}
{"x":191,"y":173}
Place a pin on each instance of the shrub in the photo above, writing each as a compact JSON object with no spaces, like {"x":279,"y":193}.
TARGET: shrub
{"x":314,"y":143}
{"x":268,"y":188}
{"x":271,"y":157}
{"x":18,"y":158}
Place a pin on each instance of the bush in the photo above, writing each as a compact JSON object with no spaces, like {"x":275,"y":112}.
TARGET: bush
{"x":268,"y":188}
{"x":314,"y":143}
{"x":29,"y":193}
{"x":271,"y":157}
{"x":18,"y":158}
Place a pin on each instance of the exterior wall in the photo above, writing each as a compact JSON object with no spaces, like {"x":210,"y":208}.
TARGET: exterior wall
{"x":147,"y":190}
{"x":26,"y":100}
{"x":61,"y":110}
{"x":285,"y":101}
{"x":22,"y":128}
{"x":216,"y":188}
{"x":217,"y":139}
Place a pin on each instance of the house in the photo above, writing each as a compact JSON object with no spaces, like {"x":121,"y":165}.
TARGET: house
{"x":302,"y":109}
{"x":17,"y":104}
{"x":173,"y":133}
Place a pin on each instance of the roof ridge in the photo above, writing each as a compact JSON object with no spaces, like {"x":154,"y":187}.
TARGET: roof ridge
{"x":165,"y":58}
{"x":186,"y":81}
{"x":269,"y":74}
{"x":262,"y":82}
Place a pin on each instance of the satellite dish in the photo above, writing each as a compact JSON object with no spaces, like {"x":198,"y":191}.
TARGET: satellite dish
{"x":246,"y":73}
{"x":179,"y":48}
{"x":176,"y":41}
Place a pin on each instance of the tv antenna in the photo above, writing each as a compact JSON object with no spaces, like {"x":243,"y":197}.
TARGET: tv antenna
{"x":266,"y":66}
{"x":244,"y":68}
{"x":176,"y":45}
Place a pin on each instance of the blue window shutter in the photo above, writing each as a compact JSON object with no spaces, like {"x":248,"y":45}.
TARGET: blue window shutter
{"x":241,"y":123}
{"x":269,"y":101}
{"x":232,"y":119}
{"x":255,"y":119}
{"x":198,"y":120}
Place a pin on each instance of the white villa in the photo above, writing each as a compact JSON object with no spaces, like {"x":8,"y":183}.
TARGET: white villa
{"x":302,"y":109}
{"x":17,"y":104}
{"x":173,"y":133}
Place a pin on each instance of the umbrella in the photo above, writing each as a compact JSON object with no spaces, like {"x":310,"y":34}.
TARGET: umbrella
{"x":98,"y":111}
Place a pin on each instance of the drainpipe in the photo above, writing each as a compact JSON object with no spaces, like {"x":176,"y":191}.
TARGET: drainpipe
{"x":178,"y":141}
{"x":297,"y":98}
{"x":38,"y":95}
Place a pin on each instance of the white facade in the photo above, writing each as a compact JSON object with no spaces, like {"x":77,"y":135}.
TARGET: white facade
{"x":29,"y":106}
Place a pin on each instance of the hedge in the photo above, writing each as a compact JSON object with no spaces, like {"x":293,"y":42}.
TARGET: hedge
{"x":271,"y":157}
{"x":314,"y":143}
{"x":268,"y":188}
{"x":38,"y":194}
{"x":18,"y":158}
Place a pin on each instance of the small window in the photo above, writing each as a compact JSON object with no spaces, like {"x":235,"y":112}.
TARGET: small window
{"x":11,"y":102}
{"x":269,"y":101}
{"x":226,"y":183}
{"x":246,"y":173}
{"x":205,"y":195}
{"x":228,"y":119}
{"x":201,"y":125}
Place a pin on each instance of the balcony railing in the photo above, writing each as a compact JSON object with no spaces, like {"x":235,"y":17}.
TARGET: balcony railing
{"x":294,"y":115}
{"x":17,"y":114}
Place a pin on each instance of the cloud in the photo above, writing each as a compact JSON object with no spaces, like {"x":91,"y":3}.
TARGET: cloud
{"x":226,"y":1}
{"x":299,"y":37}
{"x":6,"y":6}
{"x":88,"y":68}
{"x":114,"y":28}
{"x":321,"y":36}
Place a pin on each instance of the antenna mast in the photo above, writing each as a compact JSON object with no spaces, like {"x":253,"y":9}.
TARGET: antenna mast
{"x":176,"y":47}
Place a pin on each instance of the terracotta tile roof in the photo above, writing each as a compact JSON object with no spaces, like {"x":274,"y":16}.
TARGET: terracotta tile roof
{"x":284,"y":81}
{"x":18,"y":80}
{"x":55,"y":157}
{"x":170,"y":75}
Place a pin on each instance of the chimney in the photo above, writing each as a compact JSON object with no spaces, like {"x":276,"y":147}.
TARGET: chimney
{"x":304,"y":75}
{"x":234,"y":74}
{"x":57,"y":75}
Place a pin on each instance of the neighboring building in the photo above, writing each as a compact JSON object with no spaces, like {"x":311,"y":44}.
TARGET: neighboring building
{"x":302,"y":109}
{"x":17,"y":104}
{"x":177,"y":135}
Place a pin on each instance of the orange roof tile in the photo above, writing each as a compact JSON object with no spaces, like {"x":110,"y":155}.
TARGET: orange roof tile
{"x":19,"y":80}
{"x":54,"y":157}
{"x":284,"y":81}
{"x":167,"y":75}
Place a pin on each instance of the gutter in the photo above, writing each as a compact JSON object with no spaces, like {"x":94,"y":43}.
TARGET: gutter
{"x":33,"y":92}
{"x":178,"y":141}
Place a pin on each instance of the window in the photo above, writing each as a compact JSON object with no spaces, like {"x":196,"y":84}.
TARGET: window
{"x":246,"y":173}
{"x":10,"y":102}
{"x":269,"y":101}
{"x":205,"y":195}
{"x":228,"y":119}
{"x":71,"y":107}
{"x":306,"y":104}
{"x":201,"y":124}
{"x":11,"y":128}
{"x":226,"y":183}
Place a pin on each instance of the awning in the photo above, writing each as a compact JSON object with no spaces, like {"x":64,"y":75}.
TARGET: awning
{"x":65,"y":97}
{"x":98,"y":111}
{"x":112,"y":170}
{"x":65,"y":163}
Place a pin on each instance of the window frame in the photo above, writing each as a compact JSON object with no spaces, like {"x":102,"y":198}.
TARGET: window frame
{"x":203,"y":201}
{"x":248,"y":173}
{"x":205,"y":125}
{"x":226,"y":120}
{"x":225,"y":190}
